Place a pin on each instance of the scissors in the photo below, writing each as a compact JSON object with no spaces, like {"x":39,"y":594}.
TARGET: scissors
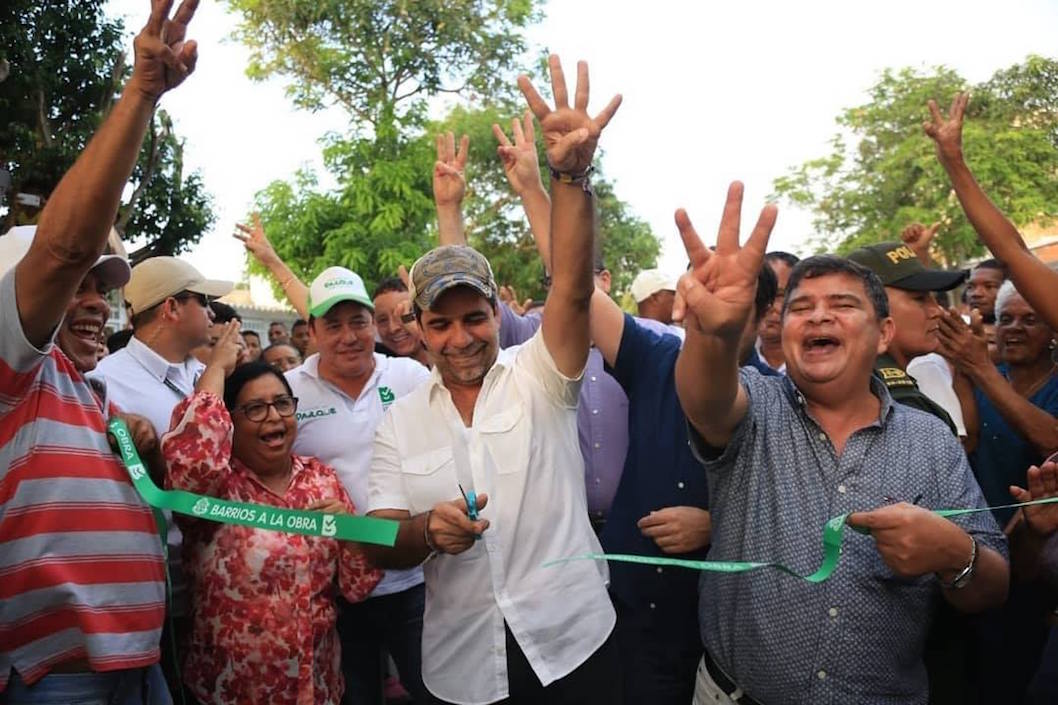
{"x":472,"y":503}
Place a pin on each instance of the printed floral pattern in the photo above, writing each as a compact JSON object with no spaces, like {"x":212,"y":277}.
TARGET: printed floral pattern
{"x":262,"y":601}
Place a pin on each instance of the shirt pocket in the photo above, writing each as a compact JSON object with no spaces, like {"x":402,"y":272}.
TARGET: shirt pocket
{"x":429,"y":479}
{"x":506,"y":436}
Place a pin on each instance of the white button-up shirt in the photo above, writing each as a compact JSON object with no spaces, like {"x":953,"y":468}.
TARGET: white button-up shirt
{"x":340,"y":431}
{"x":136,"y":379}
{"x":521,"y":450}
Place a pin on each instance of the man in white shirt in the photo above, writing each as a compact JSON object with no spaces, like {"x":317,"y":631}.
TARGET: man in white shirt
{"x":343,"y":392}
{"x":169,"y":301}
{"x":498,"y":625}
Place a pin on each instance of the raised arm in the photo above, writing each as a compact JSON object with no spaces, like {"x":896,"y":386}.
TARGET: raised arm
{"x":522,"y":167}
{"x":74,"y":225}
{"x":918,"y":238}
{"x":449,"y":187}
{"x":1035,"y":280}
{"x":571,"y":136}
{"x":258,"y":245}
{"x":718,"y":293}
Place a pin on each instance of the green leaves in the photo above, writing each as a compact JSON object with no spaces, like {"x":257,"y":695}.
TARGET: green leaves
{"x":889,"y":177}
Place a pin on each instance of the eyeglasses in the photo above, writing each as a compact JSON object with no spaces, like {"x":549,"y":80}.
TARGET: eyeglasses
{"x":202,"y":299}
{"x":258,"y":410}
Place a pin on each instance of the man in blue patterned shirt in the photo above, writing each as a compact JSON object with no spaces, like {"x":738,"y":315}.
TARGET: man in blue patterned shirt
{"x":782,"y":455}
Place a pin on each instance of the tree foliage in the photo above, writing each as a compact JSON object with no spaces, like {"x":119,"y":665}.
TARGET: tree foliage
{"x":65,"y":67}
{"x":881,"y":173}
{"x":382,"y":63}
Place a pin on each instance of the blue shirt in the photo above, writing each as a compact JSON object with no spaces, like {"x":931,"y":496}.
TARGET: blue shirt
{"x":858,"y":637}
{"x":660,"y":471}
{"x":1002,"y":455}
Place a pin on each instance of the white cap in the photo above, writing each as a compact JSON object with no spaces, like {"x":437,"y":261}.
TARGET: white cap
{"x":112,"y":270}
{"x":334,"y":285}
{"x":651,"y":281}
{"x":157,"y":278}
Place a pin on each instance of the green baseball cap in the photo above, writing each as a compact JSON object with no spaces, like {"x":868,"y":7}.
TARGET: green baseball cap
{"x":447,"y":266}
{"x":898,"y":266}
{"x":334,"y":285}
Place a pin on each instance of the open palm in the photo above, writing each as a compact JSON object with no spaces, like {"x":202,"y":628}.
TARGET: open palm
{"x":719,"y":289}
{"x":570,"y":134}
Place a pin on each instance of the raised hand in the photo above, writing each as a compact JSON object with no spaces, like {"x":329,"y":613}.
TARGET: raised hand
{"x":520,"y":162}
{"x":570,"y":134}
{"x":1042,"y":482}
{"x":965,"y":346}
{"x":163,"y":57}
{"x":717,"y":293}
{"x":228,"y":349}
{"x":449,"y":180}
{"x":947,"y":131}
{"x":918,"y":238}
{"x":256,"y":242}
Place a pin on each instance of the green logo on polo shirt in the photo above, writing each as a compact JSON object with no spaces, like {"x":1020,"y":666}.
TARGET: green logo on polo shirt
{"x":316,"y":413}
{"x":387,"y":396}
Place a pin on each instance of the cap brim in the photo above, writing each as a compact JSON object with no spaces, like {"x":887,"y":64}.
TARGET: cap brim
{"x":932,"y":280}
{"x":214,"y":288}
{"x":432,"y":291}
{"x":113,"y":271}
{"x":326,"y":305}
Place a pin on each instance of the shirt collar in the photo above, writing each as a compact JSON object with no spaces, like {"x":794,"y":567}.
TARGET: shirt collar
{"x":156,"y":365}
{"x":311,"y":367}
{"x":878,"y":389}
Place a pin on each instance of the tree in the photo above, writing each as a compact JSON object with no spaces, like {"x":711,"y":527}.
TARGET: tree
{"x":890,"y":177}
{"x":381,"y":62}
{"x":66,"y":65}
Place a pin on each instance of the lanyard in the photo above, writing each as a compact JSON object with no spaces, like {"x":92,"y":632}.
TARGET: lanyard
{"x":345,"y":527}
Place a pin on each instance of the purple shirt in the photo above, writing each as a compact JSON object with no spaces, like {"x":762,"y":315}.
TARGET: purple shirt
{"x":602,"y":416}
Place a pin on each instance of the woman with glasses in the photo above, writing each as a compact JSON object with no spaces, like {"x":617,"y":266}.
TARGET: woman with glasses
{"x":262,"y":601}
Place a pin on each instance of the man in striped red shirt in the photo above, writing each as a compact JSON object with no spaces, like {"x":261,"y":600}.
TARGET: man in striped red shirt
{"x":82,"y":582}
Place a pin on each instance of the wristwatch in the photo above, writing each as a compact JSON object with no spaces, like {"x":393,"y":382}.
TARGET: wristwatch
{"x":966,"y":574}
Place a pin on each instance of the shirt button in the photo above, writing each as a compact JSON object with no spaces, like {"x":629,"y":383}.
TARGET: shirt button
{"x":597,"y":481}
{"x":833,"y":611}
{"x":593,"y":378}
{"x":821,"y":675}
{"x":659,"y":569}
{"x":822,"y":436}
{"x":680,"y":484}
{"x":594,"y":411}
{"x":596,"y":445}
{"x":841,"y":489}
{"x":653,"y":606}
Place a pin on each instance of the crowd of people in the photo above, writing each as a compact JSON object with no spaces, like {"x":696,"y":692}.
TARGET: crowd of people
{"x":753,"y":398}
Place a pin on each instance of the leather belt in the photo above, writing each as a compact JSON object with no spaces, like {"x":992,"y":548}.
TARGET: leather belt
{"x":726,"y":684}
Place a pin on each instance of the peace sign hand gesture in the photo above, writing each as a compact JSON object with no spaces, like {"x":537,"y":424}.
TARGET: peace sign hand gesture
{"x":570,"y":134}
{"x":947,"y":132}
{"x":163,"y":58}
{"x":718,"y":291}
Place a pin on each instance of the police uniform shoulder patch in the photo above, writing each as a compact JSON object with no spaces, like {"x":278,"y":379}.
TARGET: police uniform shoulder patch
{"x":895,"y":377}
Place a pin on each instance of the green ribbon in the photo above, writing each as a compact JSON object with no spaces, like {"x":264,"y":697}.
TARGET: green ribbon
{"x":345,"y":527}
{"x":833,"y":535}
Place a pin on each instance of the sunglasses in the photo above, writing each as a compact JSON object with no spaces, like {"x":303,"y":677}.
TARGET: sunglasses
{"x":202,"y":299}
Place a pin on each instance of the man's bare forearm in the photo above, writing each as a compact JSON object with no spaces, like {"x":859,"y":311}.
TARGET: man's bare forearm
{"x":708,"y":386}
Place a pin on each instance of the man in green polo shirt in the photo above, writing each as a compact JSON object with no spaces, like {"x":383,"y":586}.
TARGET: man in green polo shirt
{"x":909,"y":286}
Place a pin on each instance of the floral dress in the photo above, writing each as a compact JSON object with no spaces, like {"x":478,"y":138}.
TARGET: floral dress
{"x":263,"y":607}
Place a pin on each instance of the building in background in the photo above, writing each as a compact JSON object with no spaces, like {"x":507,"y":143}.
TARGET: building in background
{"x":256,"y":314}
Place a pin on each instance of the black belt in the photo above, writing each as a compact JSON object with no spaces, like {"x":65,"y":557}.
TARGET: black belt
{"x":724,"y":683}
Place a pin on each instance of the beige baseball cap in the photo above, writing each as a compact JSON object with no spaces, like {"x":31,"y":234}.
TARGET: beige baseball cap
{"x":156,"y":279}
{"x":651,"y":281}
{"x":112,"y":270}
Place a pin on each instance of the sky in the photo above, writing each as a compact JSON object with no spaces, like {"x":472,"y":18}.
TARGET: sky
{"x":712,"y":92}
